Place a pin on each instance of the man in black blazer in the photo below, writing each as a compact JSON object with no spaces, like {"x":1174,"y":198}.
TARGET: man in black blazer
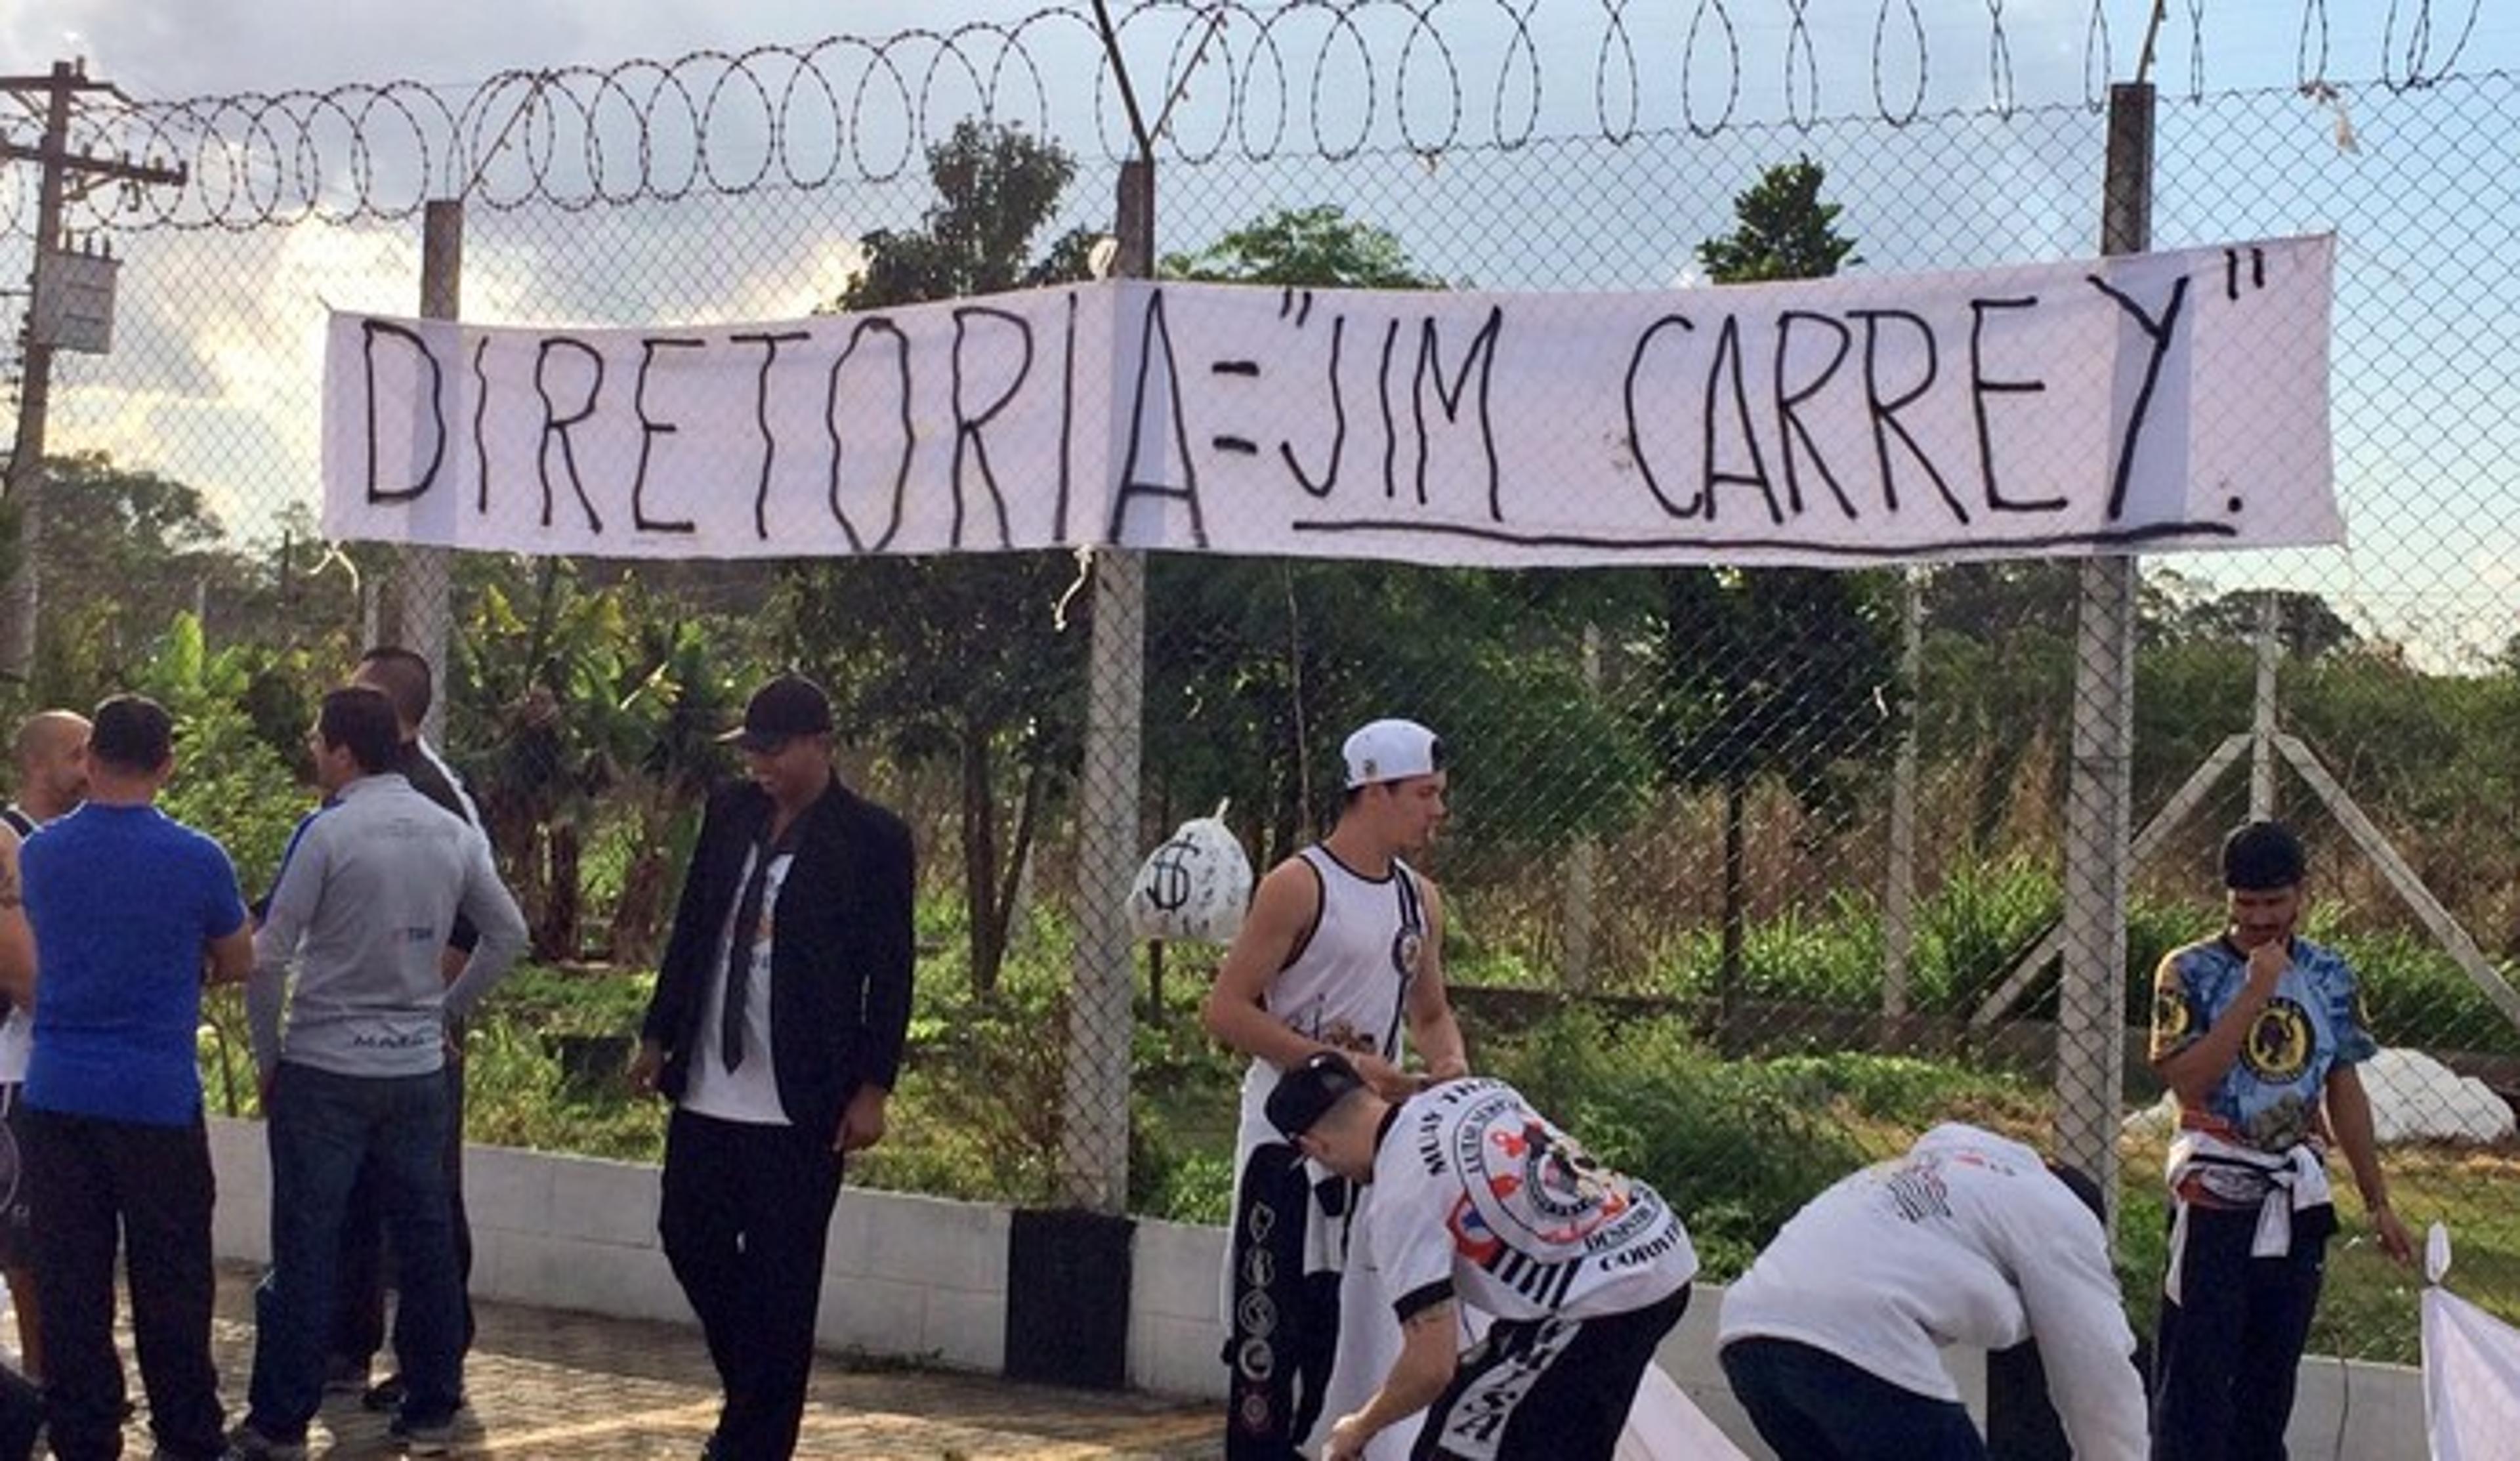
{"x":778,"y":1061}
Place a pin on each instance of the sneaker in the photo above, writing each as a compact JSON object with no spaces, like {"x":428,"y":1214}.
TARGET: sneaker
{"x":422,"y":1438}
{"x":246,"y":1444}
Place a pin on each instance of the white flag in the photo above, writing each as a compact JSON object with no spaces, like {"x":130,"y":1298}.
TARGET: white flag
{"x":2471,"y":1372}
{"x":1665,"y":1425}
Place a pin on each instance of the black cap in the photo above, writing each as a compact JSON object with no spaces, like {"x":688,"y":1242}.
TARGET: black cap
{"x":2263,"y":857}
{"x":781,"y":711}
{"x":1307,"y":1093}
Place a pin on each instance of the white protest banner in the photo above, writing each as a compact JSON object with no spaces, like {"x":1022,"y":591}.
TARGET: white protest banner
{"x":2172,"y":400}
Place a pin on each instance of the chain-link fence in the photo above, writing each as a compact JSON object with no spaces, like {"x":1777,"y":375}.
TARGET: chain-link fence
{"x":1762,"y":869}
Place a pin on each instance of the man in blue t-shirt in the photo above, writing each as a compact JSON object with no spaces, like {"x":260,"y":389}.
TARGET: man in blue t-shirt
{"x":2259,"y":1032}
{"x":126,"y":903}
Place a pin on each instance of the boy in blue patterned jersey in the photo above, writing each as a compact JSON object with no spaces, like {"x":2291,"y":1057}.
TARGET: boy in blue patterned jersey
{"x":2258,"y":1032}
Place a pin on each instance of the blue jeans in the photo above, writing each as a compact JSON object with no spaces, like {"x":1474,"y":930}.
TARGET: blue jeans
{"x":323,"y":1129}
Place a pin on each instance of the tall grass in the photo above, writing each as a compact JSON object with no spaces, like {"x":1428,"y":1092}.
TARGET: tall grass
{"x":1971,"y":927}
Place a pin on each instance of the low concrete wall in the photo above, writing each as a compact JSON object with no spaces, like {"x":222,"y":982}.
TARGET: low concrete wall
{"x":910,"y":1276}
{"x":924,"y":1279}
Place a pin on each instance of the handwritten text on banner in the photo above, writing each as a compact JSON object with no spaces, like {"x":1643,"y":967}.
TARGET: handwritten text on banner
{"x":2162,"y":401}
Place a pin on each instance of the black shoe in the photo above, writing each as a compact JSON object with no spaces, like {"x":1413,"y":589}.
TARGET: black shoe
{"x":385,"y":1394}
{"x":423,"y":1438}
{"x":344,"y":1375}
{"x":246,"y":1444}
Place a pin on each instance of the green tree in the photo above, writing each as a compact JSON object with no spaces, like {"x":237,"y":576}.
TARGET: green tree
{"x":1784,"y":673}
{"x":2177,"y":609}
{"x":1313,"y":248}
{"x":587,"y":713}
{"x":229,"y":782}
{"x":1253,"y":659}
{"x":964,"y":660}
{"x":1782,"y":230}
{"x":126,"y":552}
{"x":1258,"y":667}
{"x":996,"y":188}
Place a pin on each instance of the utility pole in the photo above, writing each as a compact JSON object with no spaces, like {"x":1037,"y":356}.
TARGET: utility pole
{"x":65,"y":172}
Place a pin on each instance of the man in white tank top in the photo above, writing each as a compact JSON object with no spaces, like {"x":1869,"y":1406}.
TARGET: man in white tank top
{"x":1341,"y":951}
{"x":50,"y":751}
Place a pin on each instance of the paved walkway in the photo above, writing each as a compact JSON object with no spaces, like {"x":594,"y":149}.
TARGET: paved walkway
{"x":574,"y":1387}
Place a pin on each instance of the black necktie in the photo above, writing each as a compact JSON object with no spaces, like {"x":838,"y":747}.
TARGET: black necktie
{"x":739,"y":949}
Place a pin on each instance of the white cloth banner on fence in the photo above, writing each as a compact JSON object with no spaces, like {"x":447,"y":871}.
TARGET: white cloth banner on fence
{"x":2171,"y":401}
{"x":2471,"y":1370}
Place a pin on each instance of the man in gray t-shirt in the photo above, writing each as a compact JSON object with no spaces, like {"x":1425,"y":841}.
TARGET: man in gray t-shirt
{"x":371,"y":889}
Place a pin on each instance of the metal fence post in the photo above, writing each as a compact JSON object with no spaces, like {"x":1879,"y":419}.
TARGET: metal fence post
{"x":2090,"y":1020}
{"x":2262,"y":711}
{"x":426,"y":619}
{"x":1583,"y":860}
{"x":1899,"y":894}
{"x":1094,"y":1132}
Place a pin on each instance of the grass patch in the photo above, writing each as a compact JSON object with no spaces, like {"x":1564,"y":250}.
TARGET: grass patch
{"x":2370,"y":1308}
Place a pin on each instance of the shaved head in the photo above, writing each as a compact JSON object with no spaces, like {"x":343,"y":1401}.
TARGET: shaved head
{"x":50,"y":753}
{"x":48,"y":733}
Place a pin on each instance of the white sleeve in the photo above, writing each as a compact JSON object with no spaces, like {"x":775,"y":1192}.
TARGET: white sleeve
{"x":1405,"y":1225}
{"x":2059,"y":1256}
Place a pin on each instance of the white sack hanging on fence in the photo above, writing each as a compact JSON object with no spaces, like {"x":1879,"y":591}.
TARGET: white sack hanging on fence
{"x":2471,"y":1370}
{"x":1195,"y":887}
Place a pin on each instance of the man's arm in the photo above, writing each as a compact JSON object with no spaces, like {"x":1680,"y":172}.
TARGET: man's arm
{"x":2059,"y":1256}
{"x":1425,"y":1365}
{"x":294,"y":892}
{"x":684,"y":947}
{"x":2195,"y":1069}
{"x":17,"y":936}
{"x":2349,"y":1118}
{"x":892,"y":954}
{"x":1432,"y":1029}
{"x":231,"y":955}
{"x":492,"y":910}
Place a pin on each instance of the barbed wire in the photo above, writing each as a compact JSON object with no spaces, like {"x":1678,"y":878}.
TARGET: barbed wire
{"x":1324,"y":78}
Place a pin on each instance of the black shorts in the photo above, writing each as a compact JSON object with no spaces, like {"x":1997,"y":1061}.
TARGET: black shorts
{"x":16,"y":1233}
{"x":1546,"y":1390}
